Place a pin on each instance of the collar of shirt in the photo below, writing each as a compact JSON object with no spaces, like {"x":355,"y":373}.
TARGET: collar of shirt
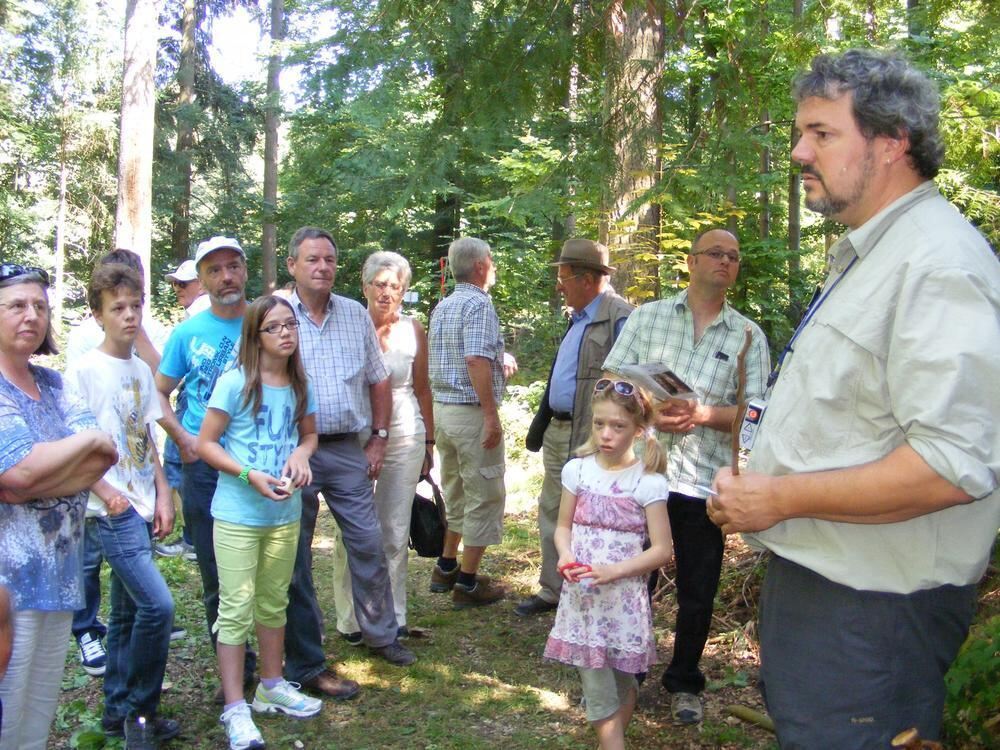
{"x":863,"y":239}
{"x":728,"y":317}
{"x":465,"y":286}
{"x":587,"y":313}
{"x":298,"y":305}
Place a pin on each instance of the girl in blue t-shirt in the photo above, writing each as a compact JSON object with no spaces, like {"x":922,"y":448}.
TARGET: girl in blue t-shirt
{"x":264,"y":413}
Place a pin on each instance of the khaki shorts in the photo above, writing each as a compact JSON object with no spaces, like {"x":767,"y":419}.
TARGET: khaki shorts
{"x":471,"y":477}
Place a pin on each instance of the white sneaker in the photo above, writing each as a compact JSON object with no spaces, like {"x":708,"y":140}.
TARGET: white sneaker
{"x":285,"y":698}
{"x":243,"y":733}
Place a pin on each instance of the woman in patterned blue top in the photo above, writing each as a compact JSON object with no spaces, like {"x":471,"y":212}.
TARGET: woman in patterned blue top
{"x":50,"y":452}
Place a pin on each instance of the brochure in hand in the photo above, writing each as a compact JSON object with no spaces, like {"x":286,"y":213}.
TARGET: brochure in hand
{"x":661,"y":382}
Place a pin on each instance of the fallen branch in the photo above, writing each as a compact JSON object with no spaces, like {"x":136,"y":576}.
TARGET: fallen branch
{"x":754,"y":717}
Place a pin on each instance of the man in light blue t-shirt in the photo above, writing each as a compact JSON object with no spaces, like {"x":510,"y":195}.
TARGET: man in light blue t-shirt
{"x":198,"y":351}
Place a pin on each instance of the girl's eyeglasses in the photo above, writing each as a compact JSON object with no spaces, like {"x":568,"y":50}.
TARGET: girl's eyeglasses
{"x":275,"y":328}
{"x":622,"y":387}
{"x":13,"y":270}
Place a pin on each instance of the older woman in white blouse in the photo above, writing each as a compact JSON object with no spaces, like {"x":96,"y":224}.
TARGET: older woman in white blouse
{"x":385,"y":279}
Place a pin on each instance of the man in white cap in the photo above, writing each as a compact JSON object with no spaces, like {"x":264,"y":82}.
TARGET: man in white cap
{"x":562,"y":423}
{"x":198,"y":351}
{"x":186,"y":285}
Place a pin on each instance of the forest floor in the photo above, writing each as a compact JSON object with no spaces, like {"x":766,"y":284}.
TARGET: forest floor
{"x":480,"y":680}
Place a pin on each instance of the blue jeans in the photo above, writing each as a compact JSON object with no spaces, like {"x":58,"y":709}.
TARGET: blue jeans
{"x":196,"y":496}
{"x":85,"y":619}
{"x":142,"y":612}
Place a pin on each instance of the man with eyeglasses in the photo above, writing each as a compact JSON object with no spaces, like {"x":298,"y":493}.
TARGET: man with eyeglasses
{"x":190,"y":294}
{"x":562,"y":423}
{"x":698,"y":335}
{"x":343,"y":359}
{"x":198,"y":351}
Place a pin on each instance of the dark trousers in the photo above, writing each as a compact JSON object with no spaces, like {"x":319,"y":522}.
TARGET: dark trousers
{"x":851,"y":669}
{"x":196,"y":497}
{"x":698,"y":545}
{"x":340,"y":473}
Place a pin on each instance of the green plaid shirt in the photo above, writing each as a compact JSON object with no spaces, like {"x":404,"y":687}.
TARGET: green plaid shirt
{"x":663,"y":331}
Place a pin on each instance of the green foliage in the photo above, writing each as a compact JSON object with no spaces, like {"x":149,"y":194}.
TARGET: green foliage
{"x":972,"y":707}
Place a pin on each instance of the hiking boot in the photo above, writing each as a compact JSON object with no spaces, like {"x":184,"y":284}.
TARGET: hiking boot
{"x":395,"y":653}
{"x":93,"y":657}
{"x":484,"y":592}
{"x":328,"y":683}
{"x":240,"y":729}
{"x":685,"y":708}
{"x":285,"y":698}
{"x":441,"y":582}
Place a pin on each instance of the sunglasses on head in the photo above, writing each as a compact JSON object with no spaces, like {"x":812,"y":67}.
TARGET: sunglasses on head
{"x":13,"y":270}
{"x":622,"y":387}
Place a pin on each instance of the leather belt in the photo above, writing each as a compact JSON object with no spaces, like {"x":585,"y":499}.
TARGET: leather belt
{"x":562,"y":416}
{"x":335,"y":437}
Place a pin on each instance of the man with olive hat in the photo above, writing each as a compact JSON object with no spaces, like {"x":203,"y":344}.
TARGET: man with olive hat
{"x":562,"y":423}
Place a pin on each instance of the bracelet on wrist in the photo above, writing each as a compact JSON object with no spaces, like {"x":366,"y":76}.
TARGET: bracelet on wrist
{"x":428,"y":442}
{"x":244,"y":475}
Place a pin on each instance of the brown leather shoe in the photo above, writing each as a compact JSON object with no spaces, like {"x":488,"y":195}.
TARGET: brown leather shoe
{"x":484,"y":592}
{"x":327,"y":683}
{"x":441,"y":582}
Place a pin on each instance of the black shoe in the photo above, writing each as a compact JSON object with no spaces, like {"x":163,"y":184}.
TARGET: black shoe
{"x":353,"y":639}
{"x":396,"y":654}
{"x":163,"y":729}
{"x":534,"y":605}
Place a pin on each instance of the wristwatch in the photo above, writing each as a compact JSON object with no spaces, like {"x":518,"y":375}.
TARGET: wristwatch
{"x":381,"y":432}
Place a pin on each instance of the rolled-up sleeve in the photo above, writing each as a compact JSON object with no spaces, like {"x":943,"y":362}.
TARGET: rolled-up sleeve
{"x":943,"y":376}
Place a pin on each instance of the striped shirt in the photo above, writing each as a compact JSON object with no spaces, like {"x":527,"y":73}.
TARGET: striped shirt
{"x":663,"y":332}
{"x":464,"y":324}
{"x":342,"y":358}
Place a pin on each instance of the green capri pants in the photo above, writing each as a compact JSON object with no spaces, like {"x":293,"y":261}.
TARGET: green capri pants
{"x":255,"y":567}
{"x":605,"y":689}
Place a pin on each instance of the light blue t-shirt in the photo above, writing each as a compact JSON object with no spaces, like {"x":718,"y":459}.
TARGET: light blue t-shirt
{"x":262,"y":442}
{"x":199,"y":350}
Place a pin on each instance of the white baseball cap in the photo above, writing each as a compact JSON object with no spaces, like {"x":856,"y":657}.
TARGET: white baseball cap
{"x":186,"y":271}
{"x":217,"y":243}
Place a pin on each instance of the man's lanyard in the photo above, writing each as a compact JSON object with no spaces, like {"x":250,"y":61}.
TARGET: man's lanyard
{"x":816,"y":303}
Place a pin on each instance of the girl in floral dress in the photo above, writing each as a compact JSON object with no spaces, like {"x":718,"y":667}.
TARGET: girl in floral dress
{"x":611,"y":501}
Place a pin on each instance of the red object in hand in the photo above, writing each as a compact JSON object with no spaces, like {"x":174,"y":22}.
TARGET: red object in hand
{"x":571,"y":571}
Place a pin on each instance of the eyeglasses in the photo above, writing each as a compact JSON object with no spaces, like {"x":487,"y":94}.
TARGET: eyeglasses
{"x":20,"y":308}
{"x":718,"y":255}
{"x":392,"y":286}
{"x":13,"y":270}
{"x":275,"y":328}
{"x":622,"y":387}
{"x":179,"y":284}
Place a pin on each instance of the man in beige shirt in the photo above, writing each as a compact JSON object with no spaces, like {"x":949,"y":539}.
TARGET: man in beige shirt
{"x":873,"y":480}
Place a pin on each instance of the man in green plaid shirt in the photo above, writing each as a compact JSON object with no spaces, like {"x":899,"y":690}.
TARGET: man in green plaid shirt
{"x":697,"y":335}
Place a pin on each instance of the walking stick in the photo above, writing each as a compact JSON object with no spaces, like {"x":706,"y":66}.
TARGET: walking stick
{"x":741,"y":399}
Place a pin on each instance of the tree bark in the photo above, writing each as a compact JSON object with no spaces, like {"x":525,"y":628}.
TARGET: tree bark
{"x":633,"y":118}
{"x":794,"y":209}
{"x":134,"y":218}
{"x":180,"y":223}
{"x":269,"y":241}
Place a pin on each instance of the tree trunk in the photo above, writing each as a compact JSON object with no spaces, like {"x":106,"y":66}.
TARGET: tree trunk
{"x":633,"y":117}
{"x":134,"y":219}
{"x":180,"y":222}
{"x":794,"y":210}
{"x":269,"y":241}
{"x":60,"y":280}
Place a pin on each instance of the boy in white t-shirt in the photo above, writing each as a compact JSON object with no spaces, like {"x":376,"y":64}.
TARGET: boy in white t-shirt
{"x":132,"y":502}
